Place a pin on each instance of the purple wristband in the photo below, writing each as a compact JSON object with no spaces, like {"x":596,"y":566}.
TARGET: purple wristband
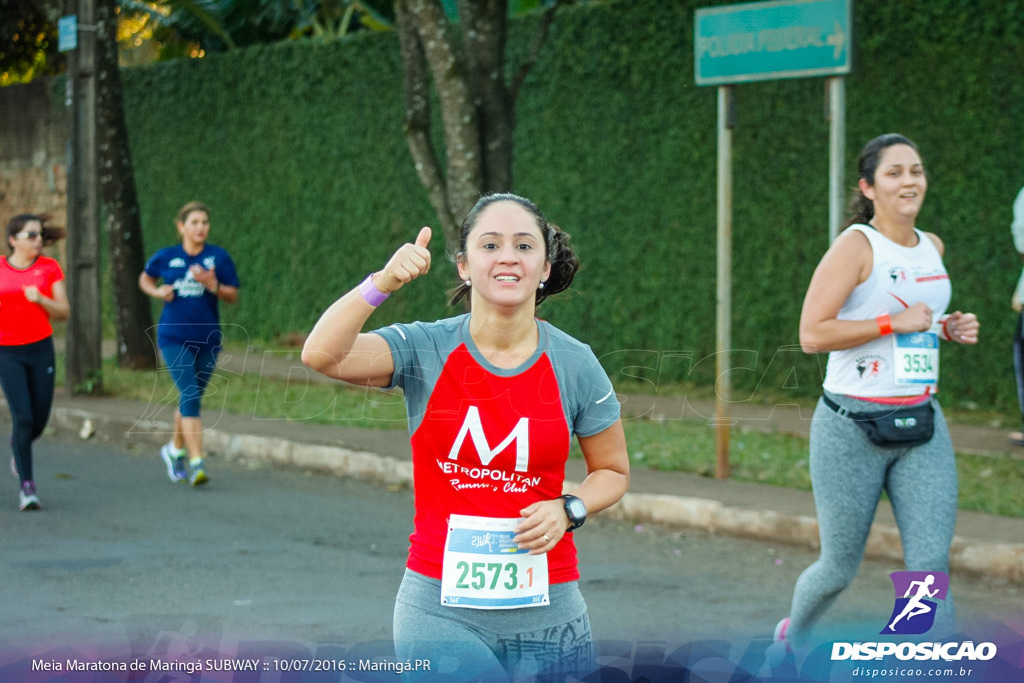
{"x":370,"y":293}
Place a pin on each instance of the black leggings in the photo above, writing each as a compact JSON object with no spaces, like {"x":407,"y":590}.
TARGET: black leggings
{"x":27,"y":377}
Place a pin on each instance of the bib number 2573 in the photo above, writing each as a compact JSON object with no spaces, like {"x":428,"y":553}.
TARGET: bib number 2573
{"x":484,"y":569}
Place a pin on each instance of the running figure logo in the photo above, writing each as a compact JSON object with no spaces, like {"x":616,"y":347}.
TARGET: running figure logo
{"x":897,"y":275}
{"x":869,"y":367}
{"x":914,"y":612}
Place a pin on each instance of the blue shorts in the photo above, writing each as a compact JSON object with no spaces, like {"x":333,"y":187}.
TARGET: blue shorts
{"x":191,"y":366}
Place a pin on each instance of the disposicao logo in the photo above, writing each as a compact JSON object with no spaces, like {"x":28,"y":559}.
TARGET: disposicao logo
{"x":917,"y":594}
{"x":916,"y":601}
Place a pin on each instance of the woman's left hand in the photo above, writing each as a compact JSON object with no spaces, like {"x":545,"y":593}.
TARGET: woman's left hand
{"x":32,"y":294}
{"x":544,"y":523}
{"x":962,"y":327}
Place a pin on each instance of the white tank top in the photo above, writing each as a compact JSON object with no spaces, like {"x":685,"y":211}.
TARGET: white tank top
{"x":900,"y":277}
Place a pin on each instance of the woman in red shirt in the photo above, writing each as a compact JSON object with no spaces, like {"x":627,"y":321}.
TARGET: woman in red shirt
{"x":32,"y":293}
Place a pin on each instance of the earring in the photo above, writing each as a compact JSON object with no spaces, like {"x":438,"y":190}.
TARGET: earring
{"x":541,"y":285}
{"x":468,"y":283}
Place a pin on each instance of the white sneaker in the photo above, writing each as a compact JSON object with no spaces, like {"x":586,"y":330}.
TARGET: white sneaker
{"x":175,"y":461}
{"x":27,"y":499}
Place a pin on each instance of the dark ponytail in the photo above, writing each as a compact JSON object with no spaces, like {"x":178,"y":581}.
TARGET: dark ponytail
{"x":564,"y":263}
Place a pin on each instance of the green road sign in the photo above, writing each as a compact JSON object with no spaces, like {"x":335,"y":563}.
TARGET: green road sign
{"x":762,"y":41}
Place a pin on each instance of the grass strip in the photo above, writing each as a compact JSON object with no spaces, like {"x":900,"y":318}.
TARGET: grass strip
{"x":988,"y":483}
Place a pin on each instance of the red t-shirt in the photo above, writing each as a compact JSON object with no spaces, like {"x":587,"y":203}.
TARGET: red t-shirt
{"x":21,"y":321}
{"x":457,"y":463}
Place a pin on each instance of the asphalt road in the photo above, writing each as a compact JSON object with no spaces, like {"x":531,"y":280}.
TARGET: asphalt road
{"x":120,"y":558}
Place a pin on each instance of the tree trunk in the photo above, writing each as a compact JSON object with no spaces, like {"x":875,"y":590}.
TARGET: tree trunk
{"x":133,"y":315}
{"x":477,"y":105}
{"x":417,"y":121}
{"x":484,"y":30}
{"x":424,"y":21}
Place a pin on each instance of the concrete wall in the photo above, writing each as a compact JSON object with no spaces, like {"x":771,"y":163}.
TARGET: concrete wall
{"x":34,"y":133}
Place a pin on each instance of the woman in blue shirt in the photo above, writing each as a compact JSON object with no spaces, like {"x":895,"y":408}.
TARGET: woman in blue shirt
{"x":196,"y":277}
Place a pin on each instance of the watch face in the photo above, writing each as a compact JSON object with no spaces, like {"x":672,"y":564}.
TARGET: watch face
{"x":576,"y":509}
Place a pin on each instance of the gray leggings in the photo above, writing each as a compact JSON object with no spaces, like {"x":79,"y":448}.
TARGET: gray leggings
{"x":532,"y":643}
{"x":848,"y":474}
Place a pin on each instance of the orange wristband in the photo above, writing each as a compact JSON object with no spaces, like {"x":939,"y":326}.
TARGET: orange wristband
{"x":884,"y":324}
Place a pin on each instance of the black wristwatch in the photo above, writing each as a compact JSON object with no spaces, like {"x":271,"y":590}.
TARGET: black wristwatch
{"x":575,"y":510}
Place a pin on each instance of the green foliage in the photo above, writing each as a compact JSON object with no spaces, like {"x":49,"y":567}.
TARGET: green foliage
{"x":299,"y":150}
{"x":308,"y":177}
{"x":219,"y":25}
{"x":28,"y":40}
{"x":92,"y":384}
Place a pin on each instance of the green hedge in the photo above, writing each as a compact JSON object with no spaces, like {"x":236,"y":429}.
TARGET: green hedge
{"x":299,"y":150}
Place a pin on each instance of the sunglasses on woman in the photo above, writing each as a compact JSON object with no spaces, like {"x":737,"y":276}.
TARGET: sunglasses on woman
{"x":28,"y":235}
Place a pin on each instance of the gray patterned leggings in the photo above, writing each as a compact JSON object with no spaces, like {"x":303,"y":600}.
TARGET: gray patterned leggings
{"x":533,"y":643}
{"x":848,"y":474}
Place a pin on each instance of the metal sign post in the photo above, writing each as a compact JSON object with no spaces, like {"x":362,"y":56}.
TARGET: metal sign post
{"x":723,"y":298}
{"x":762,"y":41}
{"x":836,"y":153}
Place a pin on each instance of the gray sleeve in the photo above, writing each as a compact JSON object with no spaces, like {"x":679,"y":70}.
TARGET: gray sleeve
{"x":418,"y":350}
{"x":591,"y":405}
{"x":397,"y":336}
{"x":600,"y":408}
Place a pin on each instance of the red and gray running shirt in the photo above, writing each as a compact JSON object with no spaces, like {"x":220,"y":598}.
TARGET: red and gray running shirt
{"x":489,"y":441}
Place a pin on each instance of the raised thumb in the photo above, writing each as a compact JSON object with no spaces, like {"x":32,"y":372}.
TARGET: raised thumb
{"x":423,"y":239}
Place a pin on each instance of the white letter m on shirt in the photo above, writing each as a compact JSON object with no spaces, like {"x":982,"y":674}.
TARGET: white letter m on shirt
{"x":472,"y":426}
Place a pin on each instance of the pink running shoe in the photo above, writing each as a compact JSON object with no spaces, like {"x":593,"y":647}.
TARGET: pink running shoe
{"x":780,"y":633}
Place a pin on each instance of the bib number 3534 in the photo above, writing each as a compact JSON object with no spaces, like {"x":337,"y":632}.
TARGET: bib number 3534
{"x":484,"y":569}
{"x":916,"y":358}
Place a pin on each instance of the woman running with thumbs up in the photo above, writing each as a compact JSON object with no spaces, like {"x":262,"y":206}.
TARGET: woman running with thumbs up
{"x":493,"y":397}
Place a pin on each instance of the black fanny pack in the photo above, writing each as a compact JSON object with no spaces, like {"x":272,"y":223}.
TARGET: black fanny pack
{"x":894,"y":428}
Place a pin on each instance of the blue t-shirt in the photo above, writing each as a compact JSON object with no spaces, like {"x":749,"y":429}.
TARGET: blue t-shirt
{"x":192,"y":315}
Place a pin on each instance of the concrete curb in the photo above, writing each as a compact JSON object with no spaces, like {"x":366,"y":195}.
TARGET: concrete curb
{"x":994,"y":560}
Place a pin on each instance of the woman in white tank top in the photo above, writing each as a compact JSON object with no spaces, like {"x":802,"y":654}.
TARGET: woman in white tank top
{"x":876,"y":304}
